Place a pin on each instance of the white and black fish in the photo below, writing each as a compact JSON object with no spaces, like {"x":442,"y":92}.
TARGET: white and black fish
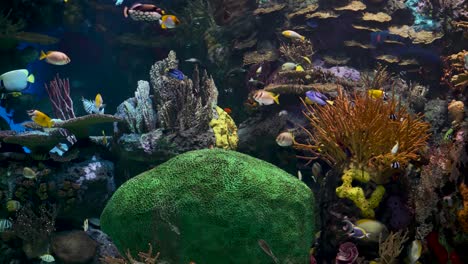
{"x":395,"y":165}
{"x":5,"y":225}
{"x":94,"y":107}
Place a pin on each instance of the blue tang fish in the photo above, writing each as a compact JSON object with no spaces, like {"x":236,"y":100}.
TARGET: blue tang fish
{"x":317,"y":97}
{"x":176,"y":74}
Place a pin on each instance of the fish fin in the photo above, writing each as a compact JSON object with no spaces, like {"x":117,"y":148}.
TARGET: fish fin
{"x":163,"y":26}
{"x":43,"y":55}
{"x":276,"y":98}
{"x":302,"y":38}
{"x":31,"y":78}
{"x":329,"y":102}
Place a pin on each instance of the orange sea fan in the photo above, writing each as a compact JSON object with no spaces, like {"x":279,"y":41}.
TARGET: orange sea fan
{"x":360,"y":131}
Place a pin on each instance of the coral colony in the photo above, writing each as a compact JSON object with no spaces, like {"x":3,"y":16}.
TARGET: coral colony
{"x":234,"y":131}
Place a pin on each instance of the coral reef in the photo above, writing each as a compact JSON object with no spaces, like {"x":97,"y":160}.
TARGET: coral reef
{"x":144,"y":258}
{"x":174,"y":119}
{"x":390,"y":248}
{"x":35,"y":228}
{"x":356,"y":194}
{"x":206,"y":200}
{"x":73,"y":247}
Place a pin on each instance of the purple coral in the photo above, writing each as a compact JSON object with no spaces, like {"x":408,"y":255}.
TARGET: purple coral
{"x":347,"y":253}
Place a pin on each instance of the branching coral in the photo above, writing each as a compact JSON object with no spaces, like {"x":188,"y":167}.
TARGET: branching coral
{"x":391,"y":248}
{"x":377,"y":80}
{"x":9,"y":27}
{"x":144,"y":258}
{"x":296,"y":51}
{"x":358,"y":131}
{"x":183,"y":104}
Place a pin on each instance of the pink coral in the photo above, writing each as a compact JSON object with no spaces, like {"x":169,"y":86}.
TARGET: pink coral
{"x":347,"y":253}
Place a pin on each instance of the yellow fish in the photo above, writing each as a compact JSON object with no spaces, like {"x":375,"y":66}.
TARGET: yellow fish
{"x":266,"y":98}
{"x":13,"y":205}
{"x":98,"y":102}
{"x":377,"y":94}
{"x":29,"y":173}
{"x":40,"y":118}
{"x":307,"y":59}
{"x":299,"y":68}
{"x":169,"y":21}
{"x":104,"y":139}
{"x":292,"y":35}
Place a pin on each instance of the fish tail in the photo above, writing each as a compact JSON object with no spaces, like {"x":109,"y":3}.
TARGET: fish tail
{"x":163,"y":26}
{"x":276,"y":98}
{"x":43,"y":55}
{"x":125,"y":12}
{"x":31,"y":78}
{"x":302,"y":38}
{"x":329,"y":102}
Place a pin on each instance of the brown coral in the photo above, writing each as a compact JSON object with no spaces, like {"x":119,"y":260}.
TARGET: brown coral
{"x":377,"y":17}
{"x":268,"y":9}
{"x":256,"y":57}
{"x":463,"y":213}
{"x":303,"y":11}
{"x":357,"y":130}
{"x":353,"y":6}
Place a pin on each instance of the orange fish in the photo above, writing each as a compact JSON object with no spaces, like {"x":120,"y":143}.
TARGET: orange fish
{"x":55,"y":57}
{"x":228,"y":110}
{"x":40,"y":118}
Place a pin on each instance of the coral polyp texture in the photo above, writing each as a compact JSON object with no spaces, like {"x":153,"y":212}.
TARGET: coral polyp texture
{"x":358,"y":130}
{"x":207,"y":201}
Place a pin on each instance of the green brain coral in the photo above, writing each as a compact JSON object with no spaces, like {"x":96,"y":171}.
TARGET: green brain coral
{"x":225,"y":130}
{"x":212,"y":206}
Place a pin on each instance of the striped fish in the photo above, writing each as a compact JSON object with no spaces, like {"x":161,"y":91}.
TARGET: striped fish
{"x":5,"y":225}
{"x":62,"y":147}
{"x":94,"y":107}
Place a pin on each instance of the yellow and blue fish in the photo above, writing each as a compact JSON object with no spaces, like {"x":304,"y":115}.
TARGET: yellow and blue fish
{"x":94,"y":107}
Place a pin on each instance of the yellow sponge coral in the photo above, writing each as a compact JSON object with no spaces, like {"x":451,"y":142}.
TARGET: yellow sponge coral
{"x":225,"y":130}
{"x":356,"y":194}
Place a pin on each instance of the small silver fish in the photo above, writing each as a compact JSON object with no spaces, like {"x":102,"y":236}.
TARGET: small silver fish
{"x":259,"y":70}
{"x":414,"y":251}
{"x":395,"y":148}
{"x":193,"y":60}
{"x":285,"y":139}
{"x":299,"y":175}
{"x":264,"y":246}
{"x":256,"y":82}
{"x":47,"y":258}
{"x":86,"y":225}
{"x":316,"y":170}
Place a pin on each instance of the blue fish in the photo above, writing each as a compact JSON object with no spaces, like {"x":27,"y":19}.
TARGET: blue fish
{"x":176,"y":74}
{"x":118,"y":2}
{"x":317,"y":97}
{"x":377,"y":38}
{"x":312,"y":23}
